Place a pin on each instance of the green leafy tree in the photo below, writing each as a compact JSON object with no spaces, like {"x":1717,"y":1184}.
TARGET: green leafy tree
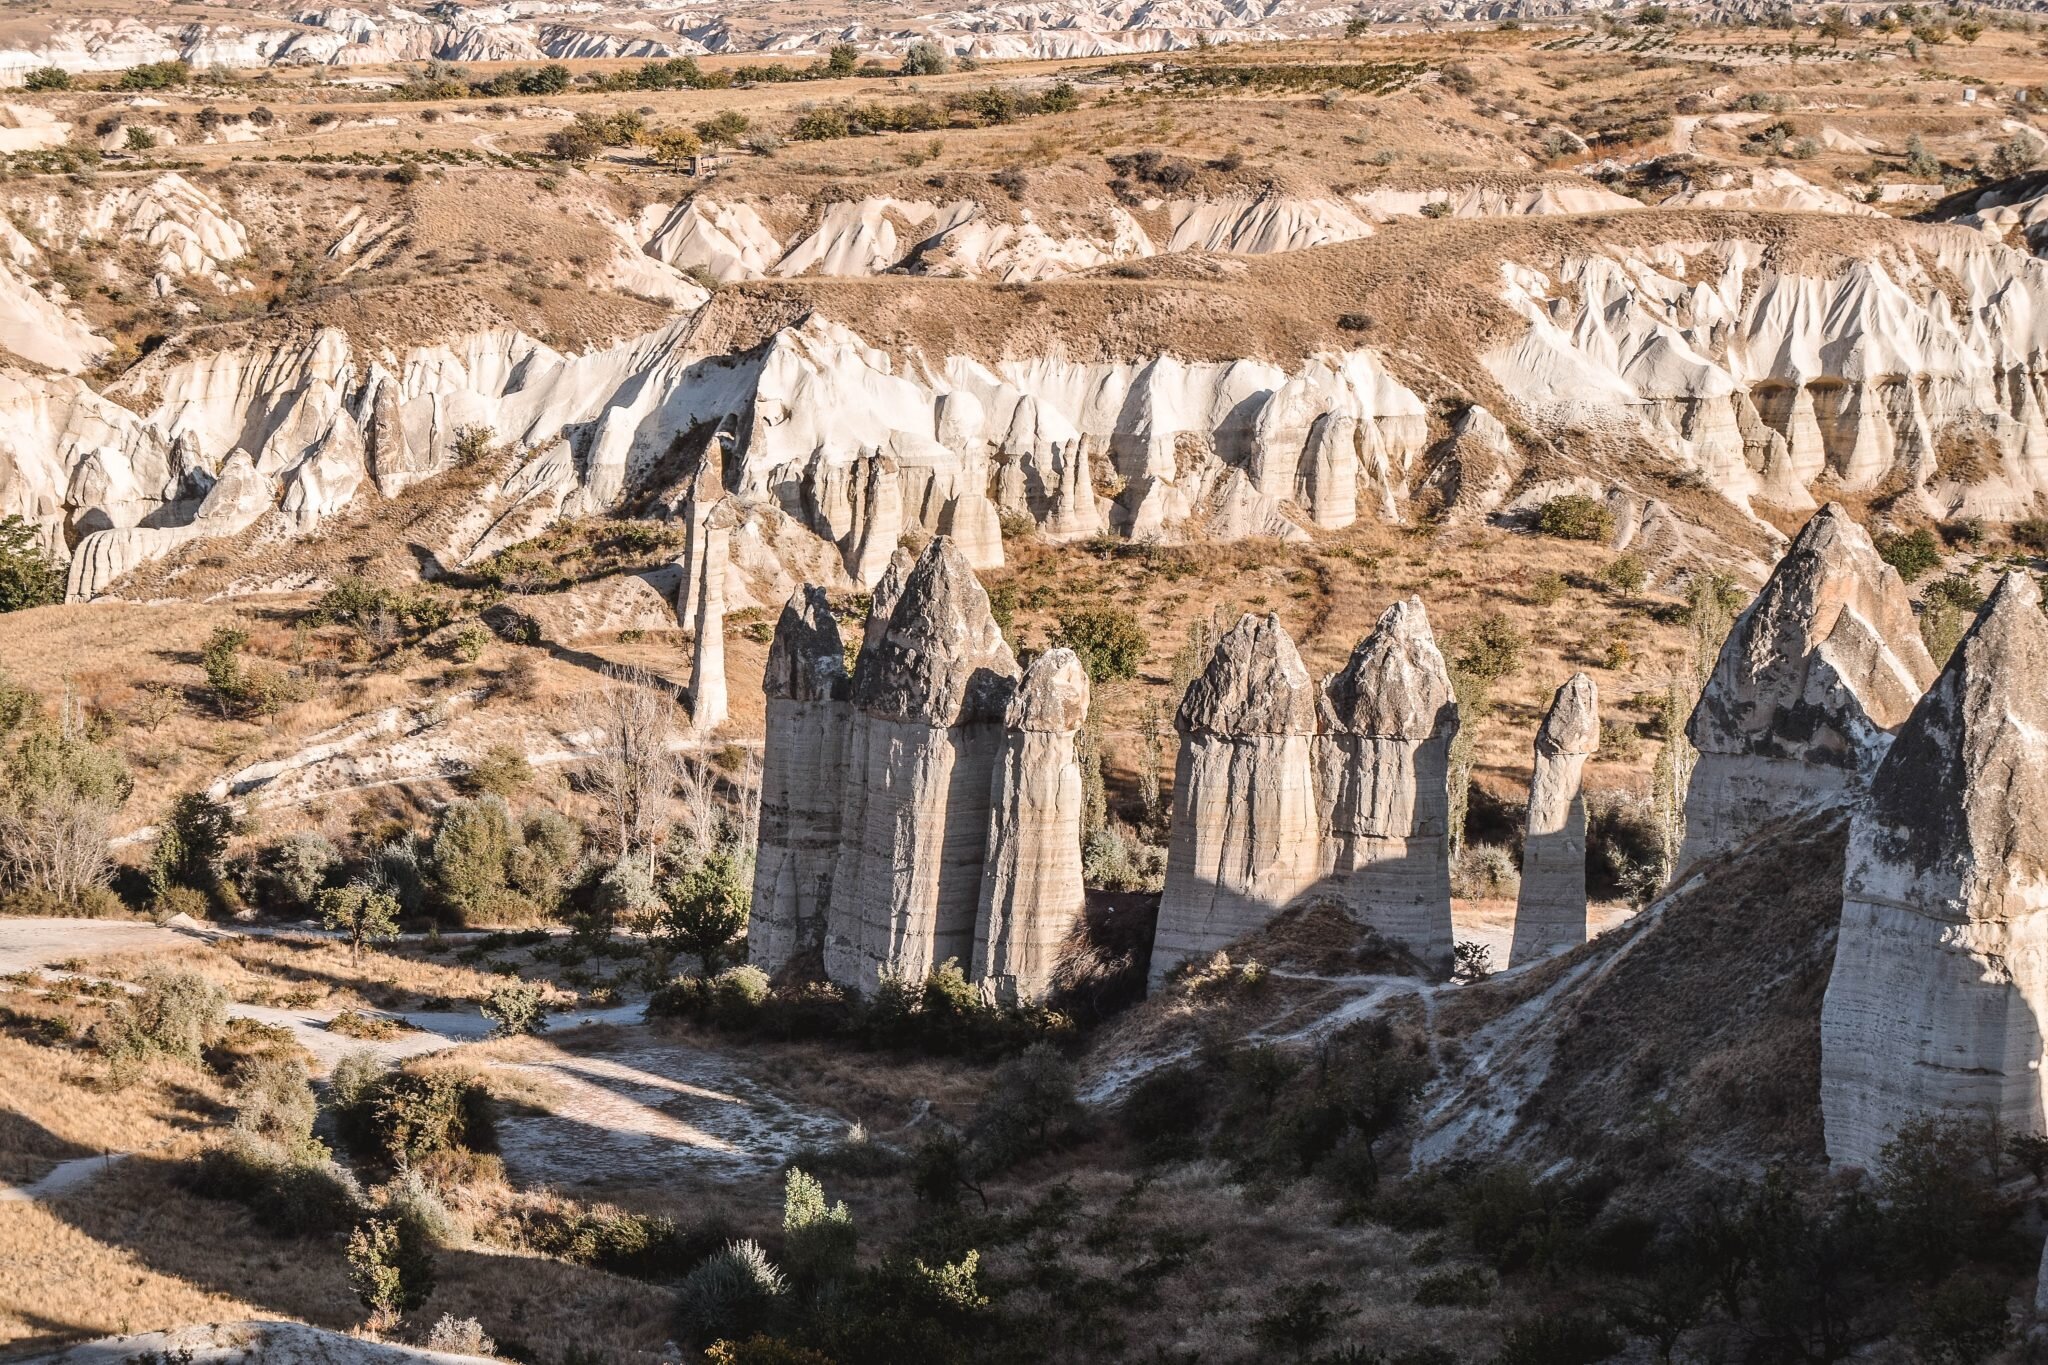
{"x":48,"y":78}
{"x":842,"y":59}
{"x":671,"y":146}
{"x":925,"y":58}
{"x":1575,"y":516}
{"x":818,"y":1240}
{"x":363,"y":912}
{"x":1108,"y":640}
{"x":706,"y":908}
{"x":515,"y":1008}
{"x":1915,"y":553}
{"x":28,"y":576}
{"x":192,"y":844}
{"x":472,"y":843}
{"x":390,"y":1267}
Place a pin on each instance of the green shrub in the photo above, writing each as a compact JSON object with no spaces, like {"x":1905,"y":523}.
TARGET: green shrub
{"x":406,"y":1116}
{"x":1490,"y":649}
{"x":1108,"y":641}
{"x":274,"y":1099}
{"x":155,"y":76}
{"x":730,"y":1295}
{"x":1626,"y":574}
{"x":192,"y":844}
{"x":517,"y":1007}
{"x":501,"y":771}
{"x":48,"y":78}
{"x":28,"y":576}
{"x":177,"y":1013}
{"x":1914,"y":553}
{"x":1576,"y":516}
{"x":818,"y":1240}
{"x":390,"y":1267}
{"x":705,"y":910}
{"x":2031,"y":533}
{"x":362,"y":912}
{"x":291,"y":873}
{"x":472,"y":842}
{"x":292,"y":1190}
{"x":1031,"y":1106}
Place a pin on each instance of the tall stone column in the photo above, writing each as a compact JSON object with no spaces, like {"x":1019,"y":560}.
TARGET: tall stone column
{"x":707,"y":620}
{"x":1550,"y":913}
{"x":1938,"y":1001}
{"x":1244,"y":839}
{"x":802,"y":773}
{"x":933,"y":692}
{"x":1031,"y":889}
{"x":1383,"y":774}
{"x":843,"y":932}
{"x":1814,"y":676}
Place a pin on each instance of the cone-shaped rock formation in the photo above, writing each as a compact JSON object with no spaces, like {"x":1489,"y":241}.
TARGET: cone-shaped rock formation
{"x":1031,"y":890}
{"x":1940,"y":985}
{"x":1245,"y":838}
{"x":1550,"y":913}
{"x":1812,"y":680}
{"x":802,"y":772}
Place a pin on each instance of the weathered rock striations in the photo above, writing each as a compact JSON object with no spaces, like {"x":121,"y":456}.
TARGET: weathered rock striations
{"x":802,"y":773}
{"x":1814,"y":676}
{"x":1031,"y":890}
{"x":708,"y":707}
{"x":932,"y":691}
{"x":1382,"y":777}
{"x":1245,"y":836}
{"x":843,"y":931}
{"x":1940,"y":982}
{"x":1550,"y":912}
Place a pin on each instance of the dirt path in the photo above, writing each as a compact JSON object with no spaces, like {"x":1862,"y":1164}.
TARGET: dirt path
{"x":29,"y":943}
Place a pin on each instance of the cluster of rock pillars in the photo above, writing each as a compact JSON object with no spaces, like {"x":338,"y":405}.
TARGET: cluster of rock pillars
{"x":926,"y":806}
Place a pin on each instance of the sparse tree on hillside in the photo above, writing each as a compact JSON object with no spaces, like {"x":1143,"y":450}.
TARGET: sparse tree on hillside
{"x":629,"y":721}
{"x":925,"y":58}
{"x":363,"y":912}
{"x":28,"y":576}
{"x":706,"y":908}
{"x":57,"y":804}
{"x":671,"y":146}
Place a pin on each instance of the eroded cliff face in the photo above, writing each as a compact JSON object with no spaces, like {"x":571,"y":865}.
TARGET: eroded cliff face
{"x":1924,"y":366}
{"x":1814,"y":677}
{"x":1940,"y":983}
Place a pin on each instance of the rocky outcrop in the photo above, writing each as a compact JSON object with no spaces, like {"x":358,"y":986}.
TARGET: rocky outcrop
{"x":1940,"y":984}
{"x":1814,"y":676}
{"x":1031,"y":890}
{"x":1382,"y":773}
{"x":708,"y":705}
{"x":1550,"y":911}
{"x":802,"y":773}
{"x":1245,"y":836}
{"x":932,"y":692}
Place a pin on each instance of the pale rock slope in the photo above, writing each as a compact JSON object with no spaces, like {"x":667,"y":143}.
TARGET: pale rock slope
{"x":1764,"y":380}
{"x":826,"y":433}
{"x":1940,"y":981}
{"x":1814,"y":677}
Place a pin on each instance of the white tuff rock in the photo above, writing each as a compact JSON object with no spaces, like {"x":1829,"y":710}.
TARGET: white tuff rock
{"x":802,"y":772}
{"x":1815,"y":675}
{"x":1031,"y":890}
{"x":1382,"y":774}
{"x":1245,"y":837}
{"x":1550,"y":913}
{"x":1940,"y":983}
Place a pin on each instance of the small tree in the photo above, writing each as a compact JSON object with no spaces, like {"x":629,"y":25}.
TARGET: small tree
{"x":471,"y":844}
{"x":389,"y":1268}
{"x":842,"y":59}
{"x":1575,"y":516}
{"x":631,"y":719}
{"x":192,"y":844}
{"x":516,"y":1008}
{"x":1914,"y":553}
{"x":1108,"y":641}
{"x":706,"y":908}
{"x":48,"y":78}
{"x":818,"y":1240}
{"x":925,"y":58}
{"x":28,"y":576}
{"x":671,"y":146}
{"x":363,"y":912}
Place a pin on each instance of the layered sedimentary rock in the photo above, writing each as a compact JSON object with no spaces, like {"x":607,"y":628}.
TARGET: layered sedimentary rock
{"x":1031,"y":890}
{"x":1937,"y":1001}
{"x":802,"y":772}
{"x":1814,"y":676}
{"x":1550,"y":912}
{"x":1245,"y":836}
{"x":1382,"y":774}
{"x":932,"y":692}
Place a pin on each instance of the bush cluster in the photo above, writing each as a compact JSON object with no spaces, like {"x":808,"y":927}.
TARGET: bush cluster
{"x":944,"y":1015}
